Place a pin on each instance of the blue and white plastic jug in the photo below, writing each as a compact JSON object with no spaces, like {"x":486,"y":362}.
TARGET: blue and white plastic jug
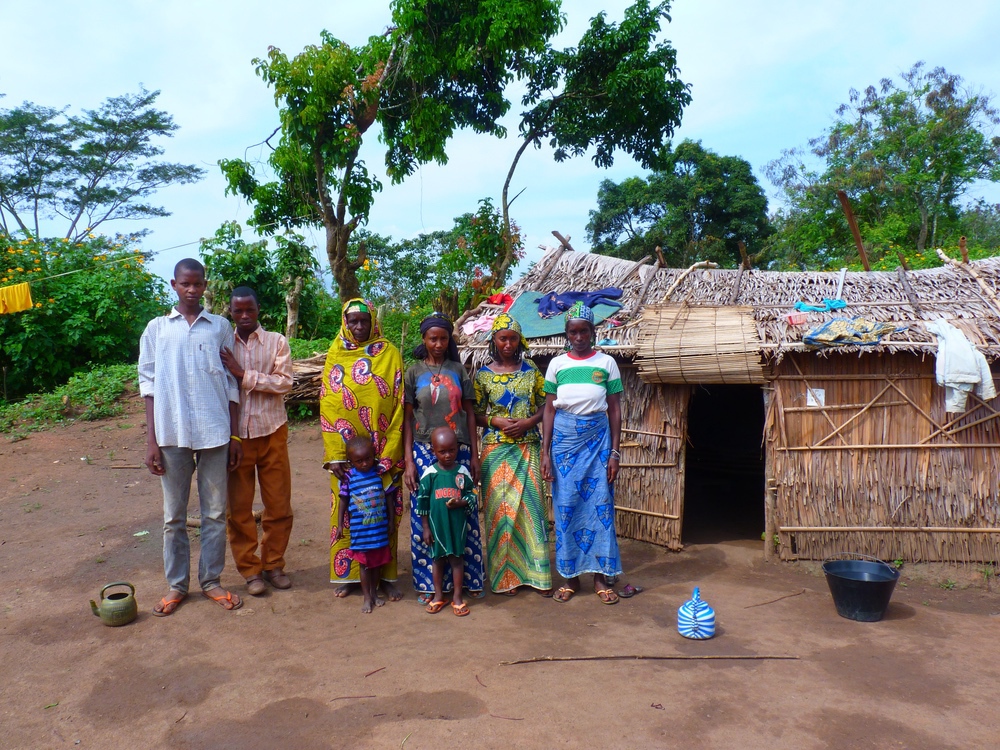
{"x":695,"y":619}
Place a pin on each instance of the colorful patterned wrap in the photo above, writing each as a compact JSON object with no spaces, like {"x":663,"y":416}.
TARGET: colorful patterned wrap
{"x":583,"y":501}
{"x":695,"y":619}
{"x":362,"y":394}
{"x":517,"y":546}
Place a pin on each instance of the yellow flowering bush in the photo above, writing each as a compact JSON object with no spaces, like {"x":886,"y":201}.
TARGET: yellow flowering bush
{"x":92,"y":315}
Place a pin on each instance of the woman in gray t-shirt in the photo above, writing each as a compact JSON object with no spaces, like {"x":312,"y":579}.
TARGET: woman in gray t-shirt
{"x":437,"y":392}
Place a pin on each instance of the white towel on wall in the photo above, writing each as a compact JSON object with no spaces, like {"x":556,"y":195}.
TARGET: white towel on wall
{"x":961,"y":368}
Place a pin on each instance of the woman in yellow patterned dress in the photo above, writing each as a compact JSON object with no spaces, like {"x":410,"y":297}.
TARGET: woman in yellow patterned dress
{"x":362,"y":394}
{"x":509,"y":401}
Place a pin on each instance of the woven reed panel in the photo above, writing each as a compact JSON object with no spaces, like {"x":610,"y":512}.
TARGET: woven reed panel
{"x":684,"y":344}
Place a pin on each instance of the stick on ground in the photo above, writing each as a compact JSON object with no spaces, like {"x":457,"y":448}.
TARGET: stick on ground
{"x":668,"y":657}
{"x":772,"y":601}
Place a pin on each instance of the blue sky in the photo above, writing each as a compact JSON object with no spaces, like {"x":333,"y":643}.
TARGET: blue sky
{"x":765,"y":76}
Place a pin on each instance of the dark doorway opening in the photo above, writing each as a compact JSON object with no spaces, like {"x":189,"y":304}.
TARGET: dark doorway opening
{"x":724,"y":465}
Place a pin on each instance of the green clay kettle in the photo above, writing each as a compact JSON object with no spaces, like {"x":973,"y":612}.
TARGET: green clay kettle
{"x":118,"y":608}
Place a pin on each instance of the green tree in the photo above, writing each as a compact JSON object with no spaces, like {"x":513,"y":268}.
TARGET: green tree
{"x":83,"y":171}
{"x":442,"y":66}
{"x":697,"y":206}
{"x":617,"y":90}
{"x":980,"y":224}
{"x":447,"y":270}
{"x":92,"y":300}
{"x":905,"y":153}
{"x":285,"y":278}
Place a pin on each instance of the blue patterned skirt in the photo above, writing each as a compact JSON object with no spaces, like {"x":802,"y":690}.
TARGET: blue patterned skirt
{"x":423,"y":580}
{"x":583,"y":501}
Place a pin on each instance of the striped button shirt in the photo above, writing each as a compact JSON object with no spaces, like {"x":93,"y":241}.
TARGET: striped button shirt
{"x":181,"y":368}
{"x":267,"y":376}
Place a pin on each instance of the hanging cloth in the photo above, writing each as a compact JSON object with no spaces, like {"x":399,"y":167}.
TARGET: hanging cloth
{"x":15,"y":298}
{"x":960,"y":368}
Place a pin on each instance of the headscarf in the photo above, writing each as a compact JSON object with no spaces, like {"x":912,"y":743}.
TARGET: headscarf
{"x":580,"y":311}
{"x":437,"y":320}
{"x":358,"y":305}
{"x":504,"y":322}
{"x":345,"y":337}
{"x":362,"y":394}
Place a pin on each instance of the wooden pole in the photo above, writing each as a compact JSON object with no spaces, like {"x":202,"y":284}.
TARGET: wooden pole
{"x":654,"y":514}
{"x":846,"y":205}
{"x":564,"y":241}
{"x":684,"y":274}
{"x":743,"y":254}
{"x":770,"y":482}
{"x":886,"y":529}
{"x":884,"y":447}
{"x":963,"y":248}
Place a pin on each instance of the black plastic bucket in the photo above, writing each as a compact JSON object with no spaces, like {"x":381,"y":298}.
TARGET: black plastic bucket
{"x":861,"y":589}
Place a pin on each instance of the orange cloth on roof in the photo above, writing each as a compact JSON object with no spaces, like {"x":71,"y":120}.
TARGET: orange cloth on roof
{"x":15,"y":298}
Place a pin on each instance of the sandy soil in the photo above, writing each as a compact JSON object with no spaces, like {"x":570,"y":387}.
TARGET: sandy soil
{"x":301,"y":669}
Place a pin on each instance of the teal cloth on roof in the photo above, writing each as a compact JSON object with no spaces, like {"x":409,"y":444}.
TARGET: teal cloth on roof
{"x":525,"y":311}
{"x":828,"y":304}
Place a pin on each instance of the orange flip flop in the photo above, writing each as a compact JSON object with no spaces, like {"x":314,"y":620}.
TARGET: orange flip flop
{"x":435,"y":607}
{"x":167,"y":605}
{"x":229,"y":598}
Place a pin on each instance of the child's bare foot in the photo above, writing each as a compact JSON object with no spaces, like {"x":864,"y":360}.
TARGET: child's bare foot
{"x":379,"y":602}
{"x":366,"y":606}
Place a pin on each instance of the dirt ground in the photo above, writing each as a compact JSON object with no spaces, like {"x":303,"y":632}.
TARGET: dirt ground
{"x":301,"y":669}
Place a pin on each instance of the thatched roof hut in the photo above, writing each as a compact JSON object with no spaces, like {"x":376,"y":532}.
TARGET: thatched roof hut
{"x":729,"y":415}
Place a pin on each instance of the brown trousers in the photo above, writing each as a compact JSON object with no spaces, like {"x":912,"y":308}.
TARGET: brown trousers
{"x":267,"y":457}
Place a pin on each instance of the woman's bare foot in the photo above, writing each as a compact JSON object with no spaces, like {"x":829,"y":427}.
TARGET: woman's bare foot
{"x":345,"y":589}
{"x":392,"y":593}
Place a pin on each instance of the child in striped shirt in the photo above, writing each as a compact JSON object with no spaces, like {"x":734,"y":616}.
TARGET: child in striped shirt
{"x":365,"y":510}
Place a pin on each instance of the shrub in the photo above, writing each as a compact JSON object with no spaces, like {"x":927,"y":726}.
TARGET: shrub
{"x":89,"y":395}
{"x":305,"y":348}
{"x":91,"y":304}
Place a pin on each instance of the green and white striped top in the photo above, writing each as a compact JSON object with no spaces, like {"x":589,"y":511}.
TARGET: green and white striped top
{"x":581,"y":386}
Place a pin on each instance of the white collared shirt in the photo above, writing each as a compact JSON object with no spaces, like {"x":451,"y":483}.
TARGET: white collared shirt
{"x":180,"y":367}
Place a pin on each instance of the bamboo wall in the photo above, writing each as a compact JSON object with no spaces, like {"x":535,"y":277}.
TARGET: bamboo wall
{"x":881,"y":469}
{"x":649,"y":492}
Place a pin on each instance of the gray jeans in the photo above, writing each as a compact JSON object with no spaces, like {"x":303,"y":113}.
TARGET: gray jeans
{"x":179,"y":464}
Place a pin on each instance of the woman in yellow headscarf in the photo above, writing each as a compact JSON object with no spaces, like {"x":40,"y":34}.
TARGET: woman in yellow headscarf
{"x":509,"y":402}
{"x":362,"y":394}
